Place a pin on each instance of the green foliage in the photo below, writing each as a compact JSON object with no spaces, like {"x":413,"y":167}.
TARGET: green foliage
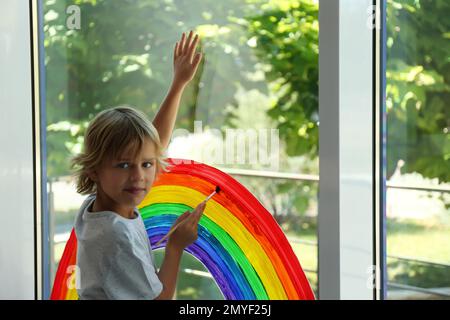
{"x":418,"y":274}
{"x":122,"y":55}
{"x":286,"y":40}
{"x":421,"y":239}
{"x":418,"y":90}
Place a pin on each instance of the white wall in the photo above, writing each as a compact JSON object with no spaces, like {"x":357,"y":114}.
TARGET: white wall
{"x":17,"y":278}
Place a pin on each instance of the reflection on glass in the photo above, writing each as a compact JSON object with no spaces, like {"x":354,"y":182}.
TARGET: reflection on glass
{"x":253,"y":104}
{"x":418,"y":150}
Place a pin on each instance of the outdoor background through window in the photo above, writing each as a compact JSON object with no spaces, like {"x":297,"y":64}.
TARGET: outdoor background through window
{"x":418,"y":149}
{"x":259,"y":73}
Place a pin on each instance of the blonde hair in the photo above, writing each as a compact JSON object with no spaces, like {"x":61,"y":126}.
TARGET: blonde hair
{"x":109,"y":134}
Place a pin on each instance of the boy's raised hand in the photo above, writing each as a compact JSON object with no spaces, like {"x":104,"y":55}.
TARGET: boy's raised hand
{"x":185,"y":60}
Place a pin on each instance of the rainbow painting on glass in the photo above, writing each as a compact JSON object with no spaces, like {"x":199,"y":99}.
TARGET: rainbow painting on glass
{"x":239,"y":242}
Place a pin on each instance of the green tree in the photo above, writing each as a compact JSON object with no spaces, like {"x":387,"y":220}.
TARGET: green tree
{"x":286,"y":39}
{"x":418,"y":90}
{"x":418,"y":74}
{"x":122,"y":55}
{"x":108,"y":63}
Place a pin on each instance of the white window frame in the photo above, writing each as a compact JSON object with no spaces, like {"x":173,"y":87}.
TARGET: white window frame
{"x":351,"y":261}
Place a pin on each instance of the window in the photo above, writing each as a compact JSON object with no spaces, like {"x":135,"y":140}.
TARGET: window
{"x":418,"y":149}
{"x":257,"y":86}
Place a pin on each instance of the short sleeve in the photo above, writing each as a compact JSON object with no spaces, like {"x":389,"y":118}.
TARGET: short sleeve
{"x":128,"y":272}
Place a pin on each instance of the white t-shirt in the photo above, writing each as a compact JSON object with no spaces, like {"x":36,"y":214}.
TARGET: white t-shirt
{"x":114,"y":256}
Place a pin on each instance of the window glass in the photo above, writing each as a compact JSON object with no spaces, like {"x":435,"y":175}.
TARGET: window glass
{"x":257,"y":84}
{"x":418,"y":149}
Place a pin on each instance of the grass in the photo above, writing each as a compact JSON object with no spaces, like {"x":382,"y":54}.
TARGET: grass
{"x":415,"y":239}
{"x":307,"y":256}
{"x":429,"y":241}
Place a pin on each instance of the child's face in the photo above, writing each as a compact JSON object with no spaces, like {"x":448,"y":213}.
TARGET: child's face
{"x":124,"y":182}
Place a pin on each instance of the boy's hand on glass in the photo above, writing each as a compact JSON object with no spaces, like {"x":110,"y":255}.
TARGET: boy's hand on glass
{"x":185,"y":63}
{"x":187,"y":230}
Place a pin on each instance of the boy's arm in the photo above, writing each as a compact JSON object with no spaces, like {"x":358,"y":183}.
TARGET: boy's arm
{"x":168,"y":273}
{"x":164,"y":120}
{"x":185,"y":65}
{"x":185,"y":235}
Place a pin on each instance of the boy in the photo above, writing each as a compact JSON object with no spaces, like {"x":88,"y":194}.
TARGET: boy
{"x":121,"y":157}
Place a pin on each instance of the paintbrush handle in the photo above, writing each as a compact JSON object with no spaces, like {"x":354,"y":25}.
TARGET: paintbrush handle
{"x":170,"y":232}
{"x":210,"y":196}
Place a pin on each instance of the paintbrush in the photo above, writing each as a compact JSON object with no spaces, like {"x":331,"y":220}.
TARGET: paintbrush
{"x":172,"y":230}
